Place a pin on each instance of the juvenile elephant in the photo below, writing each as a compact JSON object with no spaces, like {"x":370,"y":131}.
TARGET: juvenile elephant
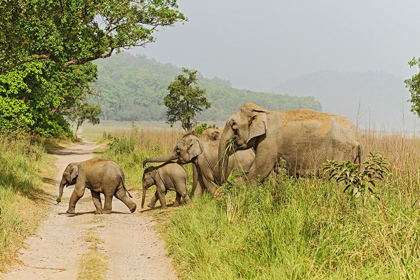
{"x":303,"y":137}
{"x":202,"y":153}
{"x":100,"y":176}
{"x":167,"y":177}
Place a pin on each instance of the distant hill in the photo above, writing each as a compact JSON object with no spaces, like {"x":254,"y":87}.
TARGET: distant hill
{"x":133,"y":87}
{"x":382,"y":96}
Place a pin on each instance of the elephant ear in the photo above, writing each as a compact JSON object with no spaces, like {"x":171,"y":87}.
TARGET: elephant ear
{"x":194,"y":148}
{"x":74,"y":172}
{"x":215,"y":135}
{"x":257,"y":123}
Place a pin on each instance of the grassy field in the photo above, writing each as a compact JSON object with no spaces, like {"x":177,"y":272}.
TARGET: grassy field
{"x":93,"y":132}
{"x":24,"y":170}
{"x":290,"y":228}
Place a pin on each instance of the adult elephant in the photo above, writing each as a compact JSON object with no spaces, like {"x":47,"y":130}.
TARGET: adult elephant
{"x":304,"y":138}
{"x":203,"y":154}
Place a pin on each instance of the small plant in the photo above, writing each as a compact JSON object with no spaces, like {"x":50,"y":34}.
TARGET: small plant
{"x":198,"y":130}
{"x":359,"y":179}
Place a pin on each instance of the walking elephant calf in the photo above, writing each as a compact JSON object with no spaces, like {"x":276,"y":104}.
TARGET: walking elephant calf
{"x":167,"y":177}
{"x":100,"y":176}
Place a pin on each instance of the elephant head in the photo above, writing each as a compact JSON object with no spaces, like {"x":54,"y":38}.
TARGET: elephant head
{"x":186,"y":150}
{"x":211,"y":134}
{"x":241,"y":131}
{"x":69,"y":178}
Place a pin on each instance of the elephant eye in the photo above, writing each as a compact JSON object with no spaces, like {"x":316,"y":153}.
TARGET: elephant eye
{"x":234,"y":125}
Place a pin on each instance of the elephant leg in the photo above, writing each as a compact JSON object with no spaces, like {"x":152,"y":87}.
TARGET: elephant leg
{"x":152,"y":203}
{"x":121,"y":194}
{"x":177,"y":201}
{"x":96,"y":197}
{"x":161,"y":191}
{"x":197,"y":187}
{"x":186,"y":198}
{"x":108,"y":204}
{"x":263,"y":164}
{"x":162,"y":199}
{"x":75,"y":196}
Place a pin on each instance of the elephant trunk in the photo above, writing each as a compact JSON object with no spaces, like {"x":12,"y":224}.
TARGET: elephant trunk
{"x":143,"y":198}
{"x":226,"y":148}
{"x":60,"y":190}
{"x":171,"y":156}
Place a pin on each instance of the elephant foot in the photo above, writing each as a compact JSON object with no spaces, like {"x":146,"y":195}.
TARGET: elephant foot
{"x":150,"y":205}
{"x":98,"y":212}
{"x":70,"y":211}
{"x":164,"y":207}
{"x":133,"y":208}
{"x":176,"y":203}
{"x":106,"y":211}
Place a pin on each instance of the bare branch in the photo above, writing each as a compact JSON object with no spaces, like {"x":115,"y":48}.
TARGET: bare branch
{"x":41,"y":56}
{"x":87,"y":59}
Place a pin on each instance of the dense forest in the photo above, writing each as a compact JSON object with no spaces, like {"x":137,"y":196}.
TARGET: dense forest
{"x":132,"y":88}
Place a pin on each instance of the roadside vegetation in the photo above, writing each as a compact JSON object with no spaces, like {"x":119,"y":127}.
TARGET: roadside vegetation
{"x":292,"y":228}
{"x":23,"y":198}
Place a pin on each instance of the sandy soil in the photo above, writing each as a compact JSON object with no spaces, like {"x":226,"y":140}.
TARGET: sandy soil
{"x":132,"y":248}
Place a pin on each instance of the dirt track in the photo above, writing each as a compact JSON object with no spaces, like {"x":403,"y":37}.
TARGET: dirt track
{"x":132,"y":248}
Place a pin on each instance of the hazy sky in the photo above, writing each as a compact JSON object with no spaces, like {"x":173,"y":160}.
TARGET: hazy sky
{"x":259,"y":44}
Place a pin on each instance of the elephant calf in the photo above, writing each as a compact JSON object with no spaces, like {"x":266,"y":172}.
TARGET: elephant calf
{"x":167,"y":177}
{"x":100,"y":176}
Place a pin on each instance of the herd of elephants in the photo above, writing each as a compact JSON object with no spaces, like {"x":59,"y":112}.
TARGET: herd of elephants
{"x":253,"y":140}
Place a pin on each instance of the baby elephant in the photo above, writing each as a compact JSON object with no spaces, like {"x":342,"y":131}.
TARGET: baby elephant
{"x":167,"y":177}
{"x":100,"y":176}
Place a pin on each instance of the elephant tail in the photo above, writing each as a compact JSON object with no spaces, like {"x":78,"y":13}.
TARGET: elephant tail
{"x":122,"y":182}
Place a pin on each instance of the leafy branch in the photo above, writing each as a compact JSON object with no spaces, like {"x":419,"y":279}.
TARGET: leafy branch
{"x":359,"y":179}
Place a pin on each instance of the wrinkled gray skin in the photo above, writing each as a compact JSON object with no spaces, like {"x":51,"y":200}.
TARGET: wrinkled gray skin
{"x":167,"y":177}
{"x":100,"y":176}
{"x":304,"y":138}
{"x":203,"y":154}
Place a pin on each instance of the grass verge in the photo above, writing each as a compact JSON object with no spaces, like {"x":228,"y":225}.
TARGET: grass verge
{"x":25,"y":172}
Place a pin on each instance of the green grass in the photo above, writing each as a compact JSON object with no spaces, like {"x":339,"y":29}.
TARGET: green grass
{"x":295,"y":229}
{"x":291,"y":228}
{"x":22,"y":196}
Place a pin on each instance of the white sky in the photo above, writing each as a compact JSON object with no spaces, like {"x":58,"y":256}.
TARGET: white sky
{"x":259,"y":44}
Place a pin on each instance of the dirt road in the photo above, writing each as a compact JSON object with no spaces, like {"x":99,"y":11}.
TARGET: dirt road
{"x":131,"y":247}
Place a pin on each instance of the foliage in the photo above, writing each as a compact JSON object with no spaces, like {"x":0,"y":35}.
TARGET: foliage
{"x":133,"y":89}
{"x":82,"y":112}
{"x":46,"y":48}
{"x":184,"y":101}
{"x":71,"y":33}
{"x":199,"y":129}
{"x":358,"y":182}
{"x":413,"y":85}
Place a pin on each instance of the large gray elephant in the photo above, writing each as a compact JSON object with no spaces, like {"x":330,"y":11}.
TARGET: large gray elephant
{"x":203,"y":154}
{"x":100,"y":176}
{"x":167,"y":177}
{"x":304,"y":138}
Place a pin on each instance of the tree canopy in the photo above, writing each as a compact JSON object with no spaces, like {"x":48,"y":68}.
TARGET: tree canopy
{"x":184,"y":100}
{"x":46,"y":48}
{"x":413,"y":85}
